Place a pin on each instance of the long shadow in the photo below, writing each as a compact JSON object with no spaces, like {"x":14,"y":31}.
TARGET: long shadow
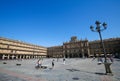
{"x":73,"y":70}
{"x":75,"y":78}
{"x":100,"y":73}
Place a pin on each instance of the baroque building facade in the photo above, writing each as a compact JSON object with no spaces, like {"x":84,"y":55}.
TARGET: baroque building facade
{"x":14,"y":49}
{"x":55,"y":51}
{"x":72,"y":49}
{"x":76,"y":48}
{"x":84,"y":48}
{"x":112,"y":46}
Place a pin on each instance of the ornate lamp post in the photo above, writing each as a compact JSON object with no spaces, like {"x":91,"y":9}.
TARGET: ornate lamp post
{"x":99,"y":29}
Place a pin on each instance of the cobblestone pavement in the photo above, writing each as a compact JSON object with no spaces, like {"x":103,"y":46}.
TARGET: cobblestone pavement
{"x":77,"y":69}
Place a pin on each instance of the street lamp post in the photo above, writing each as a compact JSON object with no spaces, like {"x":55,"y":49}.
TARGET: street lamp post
{"x":99,"y":30}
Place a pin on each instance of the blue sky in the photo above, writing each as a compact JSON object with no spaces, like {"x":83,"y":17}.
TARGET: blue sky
{"x":52,"y":22}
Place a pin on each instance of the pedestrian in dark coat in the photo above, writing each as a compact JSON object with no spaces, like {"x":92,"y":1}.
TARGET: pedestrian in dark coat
{"x":52,"y":63}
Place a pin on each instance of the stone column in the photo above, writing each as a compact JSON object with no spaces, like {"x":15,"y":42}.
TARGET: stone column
{"x":28,"y":56}
{"x":88,"y":52}
{"x":8,"y":56}
{"x":88,"y":49}
{"x":3,"y":57}
{"x":23,"y":56}
{"x":83,"y":53}
{"x":20,"y":56}
{"x":13,"y":56}
{"x":36,"y":56}
{"x":16,"y":56}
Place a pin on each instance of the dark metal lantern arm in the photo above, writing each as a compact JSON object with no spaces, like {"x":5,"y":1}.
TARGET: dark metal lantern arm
{"x":92,"y":28}
{"x":98,"y":28}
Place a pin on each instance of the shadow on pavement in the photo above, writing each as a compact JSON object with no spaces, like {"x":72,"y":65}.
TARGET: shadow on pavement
{"x":75,"y":78}
{"x":100,"y":73}
{"x":73,"y":70}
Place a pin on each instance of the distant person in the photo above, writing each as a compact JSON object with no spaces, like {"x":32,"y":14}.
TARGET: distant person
{"x":100,"y":60}
{"x":93,"y":58}
{"x":63,"y":60}
{"x":52,"y":63}
{"x":111,"y":58}
{"x":57,"y":59}
{"x":38,"y":64}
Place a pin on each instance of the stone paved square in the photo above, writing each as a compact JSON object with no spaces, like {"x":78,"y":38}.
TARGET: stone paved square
{"x":76,"y":69}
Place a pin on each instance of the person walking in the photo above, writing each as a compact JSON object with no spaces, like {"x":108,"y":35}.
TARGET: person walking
{"x":52,"y":63}
{"x":63,"y":60}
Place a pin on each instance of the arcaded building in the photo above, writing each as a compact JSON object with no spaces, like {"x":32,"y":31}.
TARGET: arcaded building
{"x":112,"y":46}
{"x":76,"y":48}
{"x":84,"y":48}
{"x":55,"y":51}
{"x":14,"y":49}
{"x":72,"y":49}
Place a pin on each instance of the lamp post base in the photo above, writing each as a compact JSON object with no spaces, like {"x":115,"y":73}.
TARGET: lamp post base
{"x":108,"y":69}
